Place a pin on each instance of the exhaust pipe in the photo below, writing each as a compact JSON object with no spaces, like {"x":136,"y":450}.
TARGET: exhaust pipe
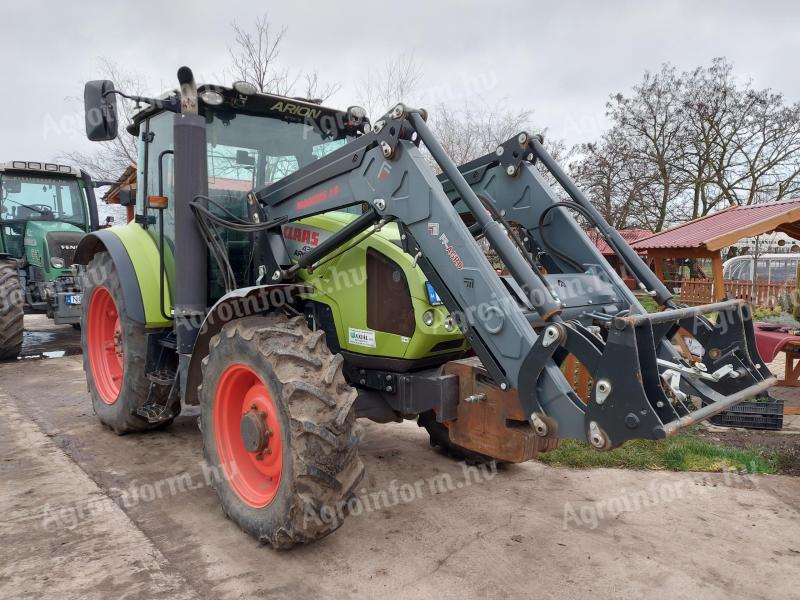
{"x":191,"y":181}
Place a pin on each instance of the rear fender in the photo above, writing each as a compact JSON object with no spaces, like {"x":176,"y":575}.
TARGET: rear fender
{"x":135,"y":257}
{"x":244,"y":302}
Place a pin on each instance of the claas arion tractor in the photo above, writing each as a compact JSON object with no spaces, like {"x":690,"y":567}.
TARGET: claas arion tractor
{"x":292,"y":268}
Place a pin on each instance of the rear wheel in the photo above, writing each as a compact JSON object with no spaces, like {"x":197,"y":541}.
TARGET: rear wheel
{"x":279,"y":429}
{"x":11,"y":310}
{"x":114,"y":350}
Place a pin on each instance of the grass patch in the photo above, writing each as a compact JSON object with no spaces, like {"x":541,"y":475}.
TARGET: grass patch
{"x":648,"y":303}
{"x":684,"y":452}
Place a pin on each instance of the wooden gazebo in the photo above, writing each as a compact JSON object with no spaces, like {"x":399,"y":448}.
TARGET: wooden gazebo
{"x":707,"y":236}
{"x":124,"y":191}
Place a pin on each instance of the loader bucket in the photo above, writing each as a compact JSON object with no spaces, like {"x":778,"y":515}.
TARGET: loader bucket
{"x":644,"y":389}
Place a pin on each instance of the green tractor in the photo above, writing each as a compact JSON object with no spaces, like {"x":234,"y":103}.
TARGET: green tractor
{"x":45,"y":210}
{"x":292,"y":268}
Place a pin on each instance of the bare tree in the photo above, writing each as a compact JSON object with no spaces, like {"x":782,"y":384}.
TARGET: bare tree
{"x":110,"y":159}
{"x":652,"y":122}
{"x":314,"y":89}
{"x":693,"y":143}
{"x":604,"y":173}
{"x":766,"y":152}
{"x":475,"y":129}
{"x":398,"y":81}
{"x":254,"y":58}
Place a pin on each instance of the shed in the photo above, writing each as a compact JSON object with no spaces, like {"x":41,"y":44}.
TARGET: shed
{"x":705,"y":237}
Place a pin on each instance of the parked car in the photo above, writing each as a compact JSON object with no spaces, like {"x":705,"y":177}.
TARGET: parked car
{"x":769,"y":268}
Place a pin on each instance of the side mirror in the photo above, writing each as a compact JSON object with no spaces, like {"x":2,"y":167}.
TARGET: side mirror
{"x":243,"y":158}
{"x":100,"y":110}
{"x":126,"y":197}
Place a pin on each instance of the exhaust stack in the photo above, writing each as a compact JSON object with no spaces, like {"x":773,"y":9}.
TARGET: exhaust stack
{"x":191,"y":181}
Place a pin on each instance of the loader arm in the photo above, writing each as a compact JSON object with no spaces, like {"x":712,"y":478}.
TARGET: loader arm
{"x":515,"y":323}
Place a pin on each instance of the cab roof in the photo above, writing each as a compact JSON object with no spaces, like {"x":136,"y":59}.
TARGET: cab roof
{"x":282,"y":107}
{"x":39,"y":167}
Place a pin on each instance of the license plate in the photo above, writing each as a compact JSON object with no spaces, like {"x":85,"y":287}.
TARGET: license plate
{"x":74,"y":299}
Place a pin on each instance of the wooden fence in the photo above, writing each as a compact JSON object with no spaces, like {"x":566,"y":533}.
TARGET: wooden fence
{"x":700,"y":291}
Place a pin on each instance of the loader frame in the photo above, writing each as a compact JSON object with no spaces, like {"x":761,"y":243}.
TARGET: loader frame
{"x":517,"y":338}
{"x":560,"y":296}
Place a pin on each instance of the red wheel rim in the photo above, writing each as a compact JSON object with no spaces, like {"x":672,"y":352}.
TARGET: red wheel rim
{"x":254,"y":475}
{"x":104,"y":339}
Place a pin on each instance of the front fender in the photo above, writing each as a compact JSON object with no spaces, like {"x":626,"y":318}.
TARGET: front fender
{"x":244,"y":302}
{"x":135,"y":256}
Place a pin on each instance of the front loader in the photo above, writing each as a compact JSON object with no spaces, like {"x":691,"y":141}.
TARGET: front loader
{"x":291,"y":268}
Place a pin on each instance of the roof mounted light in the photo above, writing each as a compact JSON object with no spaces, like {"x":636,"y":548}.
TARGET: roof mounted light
{"x":356,"y":114}
{"x":357,"y":119}
{"x":245,"y":88}
{"x":211,"y":97}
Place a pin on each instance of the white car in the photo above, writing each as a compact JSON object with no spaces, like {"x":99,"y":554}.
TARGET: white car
{"x":769,"y":268}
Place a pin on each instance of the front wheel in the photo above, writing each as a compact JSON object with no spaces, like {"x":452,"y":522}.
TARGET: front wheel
{"x":279,"y":429}
{"x":114,"y":350}
{"x":11,"y":311}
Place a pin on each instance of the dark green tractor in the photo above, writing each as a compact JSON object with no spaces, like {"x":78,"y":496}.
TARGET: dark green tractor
{"x":45,"y":210}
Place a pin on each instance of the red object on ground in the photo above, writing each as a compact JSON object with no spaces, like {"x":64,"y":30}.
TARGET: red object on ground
{"x":770,"y":343}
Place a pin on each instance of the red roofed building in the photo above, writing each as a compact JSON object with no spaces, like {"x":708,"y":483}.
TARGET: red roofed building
{"x":630,"y":236}
{"x":707,"y":236}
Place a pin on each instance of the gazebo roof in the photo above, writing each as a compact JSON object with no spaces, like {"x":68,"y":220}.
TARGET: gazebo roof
{"x":629,"y":235}
{"x":723,"y":228}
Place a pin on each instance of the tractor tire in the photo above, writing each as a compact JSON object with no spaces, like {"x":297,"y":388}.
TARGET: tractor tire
{"x":440,"y":438}
{"x":279,"y":429}
{"x":11,"y":311}
{"x":114,"y":349}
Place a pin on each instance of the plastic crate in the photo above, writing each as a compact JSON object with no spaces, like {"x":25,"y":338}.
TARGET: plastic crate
{"x":752,"y":415}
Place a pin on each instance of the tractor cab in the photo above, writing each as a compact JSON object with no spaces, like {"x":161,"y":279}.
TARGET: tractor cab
{"x":45,"y":210}
{"x":252,"y":140}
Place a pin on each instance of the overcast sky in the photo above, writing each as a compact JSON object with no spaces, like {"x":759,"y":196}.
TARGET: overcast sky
{"x":560,"y":59}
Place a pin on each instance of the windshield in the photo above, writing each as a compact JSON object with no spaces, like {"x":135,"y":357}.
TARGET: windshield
{"x":247,"y":151}
{"x":38,"y":197}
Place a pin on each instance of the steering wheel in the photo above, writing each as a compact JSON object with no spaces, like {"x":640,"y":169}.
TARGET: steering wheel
{"x":34,"y":209}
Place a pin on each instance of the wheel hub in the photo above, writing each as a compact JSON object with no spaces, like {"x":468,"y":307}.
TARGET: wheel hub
{"x":254,"y":431}
{"x":247,"y":430}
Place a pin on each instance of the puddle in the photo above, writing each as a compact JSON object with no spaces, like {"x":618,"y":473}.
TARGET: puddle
{"x":50,"y":354}
{"x":43,"y":339}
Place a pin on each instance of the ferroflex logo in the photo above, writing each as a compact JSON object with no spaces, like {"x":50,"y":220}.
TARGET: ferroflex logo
{"x":385,"y":171}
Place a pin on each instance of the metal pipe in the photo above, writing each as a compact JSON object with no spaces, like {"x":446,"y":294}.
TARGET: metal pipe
{"x":539,"y":295}
{"x":717,"y":407}
{"x":161,"y":266}
{"x":346,"y":233}
{"x":676,"y":314}
{"x":632,"y":260}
